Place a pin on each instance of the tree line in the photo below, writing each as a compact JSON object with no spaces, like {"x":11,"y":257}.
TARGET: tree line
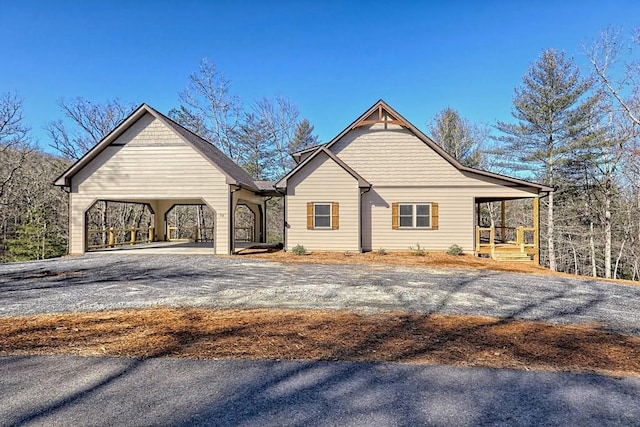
{"x":572,"y":129}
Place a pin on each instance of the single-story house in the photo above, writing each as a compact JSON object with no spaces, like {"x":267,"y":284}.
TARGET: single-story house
{"x":380,"y":183}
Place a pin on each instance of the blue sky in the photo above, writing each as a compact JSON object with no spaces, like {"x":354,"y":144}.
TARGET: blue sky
{"x":333,"y":59}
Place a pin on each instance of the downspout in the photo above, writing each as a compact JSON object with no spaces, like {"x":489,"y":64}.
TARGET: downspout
{"x":67,"y":189}
{"x":284,"y":219}
{"x":360,"y":217}
{"x":264,"y":219}
{"x":232,"y":220}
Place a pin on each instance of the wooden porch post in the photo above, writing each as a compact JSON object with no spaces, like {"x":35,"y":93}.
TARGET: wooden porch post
{"x":503,"y":217}
{"x":536,"y":230}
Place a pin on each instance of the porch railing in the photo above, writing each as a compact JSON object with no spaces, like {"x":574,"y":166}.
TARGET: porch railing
{"x":112,"y":237}
{"x":194,"y":233}
{"x":244,"y":234}
{"x":524,"y":239}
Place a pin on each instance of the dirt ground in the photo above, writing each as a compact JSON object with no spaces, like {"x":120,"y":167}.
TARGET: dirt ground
{"x":325,"y":335}
{"x":409,"y":259}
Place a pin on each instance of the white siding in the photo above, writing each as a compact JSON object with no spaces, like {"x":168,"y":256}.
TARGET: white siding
{"x":322,"y":180}
{"x":149,"y":162}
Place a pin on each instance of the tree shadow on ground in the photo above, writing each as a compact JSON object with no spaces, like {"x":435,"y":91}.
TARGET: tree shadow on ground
{"x":325,"y":393}
{"x":270,"y":393}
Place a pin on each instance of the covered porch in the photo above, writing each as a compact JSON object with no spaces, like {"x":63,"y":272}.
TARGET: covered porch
{"x":515,"y":238}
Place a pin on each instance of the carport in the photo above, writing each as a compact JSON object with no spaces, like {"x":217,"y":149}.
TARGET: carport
{"x":151,"y":160}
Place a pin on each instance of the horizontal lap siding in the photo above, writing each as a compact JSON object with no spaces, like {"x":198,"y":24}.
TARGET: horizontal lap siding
{"x":402,"y":168}
{"x":322,"y":180}
{"x":394,"y":157}
{"x":149,"y":161}
{"x":455,"y":219}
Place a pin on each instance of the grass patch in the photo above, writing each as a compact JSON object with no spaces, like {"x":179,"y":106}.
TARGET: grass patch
{"x":299,"y":250}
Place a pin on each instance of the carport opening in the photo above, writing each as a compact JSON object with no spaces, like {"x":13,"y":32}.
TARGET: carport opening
{"x":245,"y":224}
{"x":111,"y":224}
{"x":194,"y":223}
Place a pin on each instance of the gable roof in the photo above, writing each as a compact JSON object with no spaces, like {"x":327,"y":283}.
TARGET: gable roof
{"x":297,"y":154}
{"x":362,"y":183}
{"x":397,"y":119}
{"x":235,"y":174}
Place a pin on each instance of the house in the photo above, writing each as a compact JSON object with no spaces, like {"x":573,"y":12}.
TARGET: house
{"x":380,"y":183}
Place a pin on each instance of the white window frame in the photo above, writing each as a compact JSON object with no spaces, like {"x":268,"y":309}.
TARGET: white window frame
{"x":414,"y":216}
{"x":330,"y":215}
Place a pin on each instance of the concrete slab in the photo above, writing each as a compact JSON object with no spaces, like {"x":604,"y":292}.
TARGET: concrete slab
{"x":170,"y":248}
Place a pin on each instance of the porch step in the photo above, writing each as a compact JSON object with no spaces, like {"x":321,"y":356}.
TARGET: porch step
{"x":512,"y":257}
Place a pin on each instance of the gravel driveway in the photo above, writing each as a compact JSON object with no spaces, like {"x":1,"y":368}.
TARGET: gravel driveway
{"x":102,"y":282}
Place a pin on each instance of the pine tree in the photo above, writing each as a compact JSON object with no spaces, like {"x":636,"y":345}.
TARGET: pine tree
{"x":553,"y":111}
{"x":35,"y":240}
{"x":304,"y":137}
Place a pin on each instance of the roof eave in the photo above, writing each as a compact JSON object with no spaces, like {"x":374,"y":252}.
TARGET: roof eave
{"x":518,"y":182}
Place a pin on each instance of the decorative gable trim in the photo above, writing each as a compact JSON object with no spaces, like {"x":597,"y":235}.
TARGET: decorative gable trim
{"x":382,"y":106}
{"x":382,"y":118}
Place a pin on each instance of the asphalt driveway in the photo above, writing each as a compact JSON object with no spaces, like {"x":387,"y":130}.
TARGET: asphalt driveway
{"x":102,"y":282}
{"x":102,"y":391}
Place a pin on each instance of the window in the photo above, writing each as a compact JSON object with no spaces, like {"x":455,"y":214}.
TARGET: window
{"x":322,"y":216}
{"x":406,"y":215}
{"x":414,"y":215}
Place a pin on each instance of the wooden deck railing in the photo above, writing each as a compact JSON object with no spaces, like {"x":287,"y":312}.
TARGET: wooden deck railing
{"x":526,"y":239}
{"x":244,"y":234}
{"x":122,"y":236}
{"x":194,"y":233}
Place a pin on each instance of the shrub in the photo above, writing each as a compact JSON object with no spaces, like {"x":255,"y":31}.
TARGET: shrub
{"x":417,"y":250}
{"x":299,"y":250}
{"x":455,"y":250}
{"x":348,"y":253}
{"x":382,"y":251}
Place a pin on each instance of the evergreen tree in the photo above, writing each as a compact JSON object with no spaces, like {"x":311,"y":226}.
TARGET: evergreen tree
{"x":303,"y":137}
{"x":35,"y":240}
{"x":186,"y":118}
{"x":257,"y":155}
{"x":553,"y":112}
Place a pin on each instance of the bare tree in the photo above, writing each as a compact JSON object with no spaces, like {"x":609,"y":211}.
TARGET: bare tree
{"x":85,"y":123}
{"x":14,"y":140}
{"x":458,"y":136}
{"x":616,"y":71}
{"x":209,"y":109}
{"x":605,"y":53}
